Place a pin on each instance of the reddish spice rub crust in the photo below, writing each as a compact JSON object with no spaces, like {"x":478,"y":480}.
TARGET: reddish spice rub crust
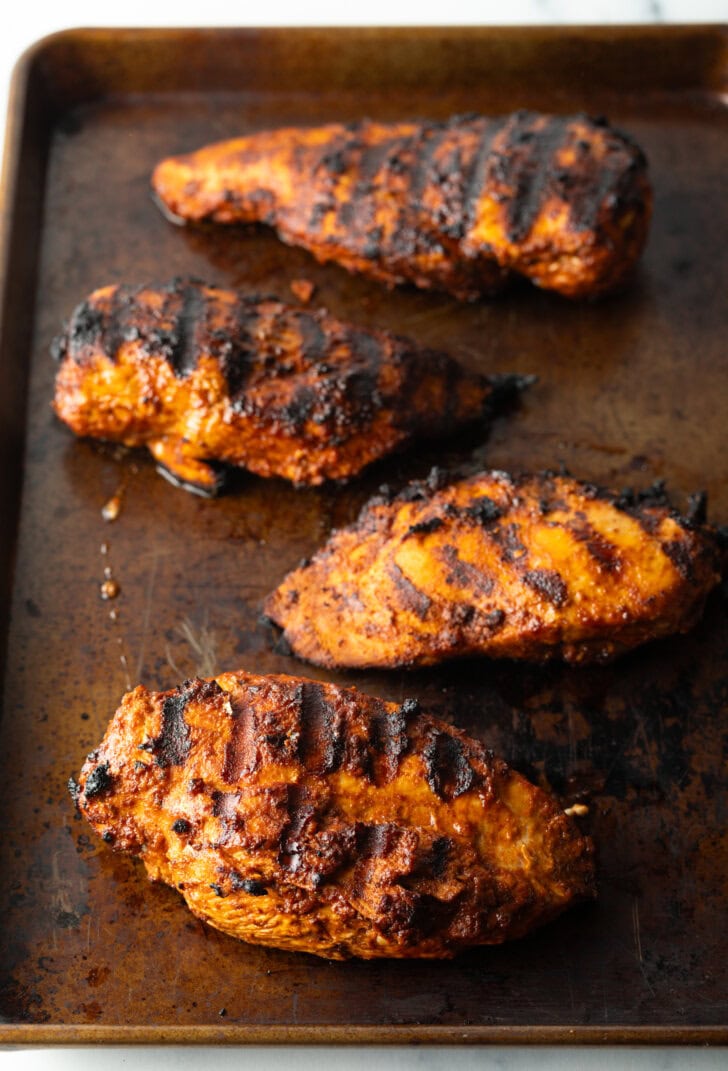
{"x":309,"y":817}
{"x":530,"y":567}
{"x":461,"y":205}
{"x":201,"y":375}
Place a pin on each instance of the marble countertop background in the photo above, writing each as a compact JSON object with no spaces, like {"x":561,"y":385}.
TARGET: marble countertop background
{"x":26,"y":23}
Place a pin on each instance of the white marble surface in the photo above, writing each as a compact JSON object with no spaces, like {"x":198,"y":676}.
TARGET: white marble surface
{"x":26,"y":23}
{"x":373,"y":1059}
{"x":378,"y":1059}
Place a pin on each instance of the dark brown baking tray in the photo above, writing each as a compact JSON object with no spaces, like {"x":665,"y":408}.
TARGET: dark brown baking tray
{"x":631,"y":389}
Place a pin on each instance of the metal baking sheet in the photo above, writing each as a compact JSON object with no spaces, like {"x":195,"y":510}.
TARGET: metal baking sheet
{"x":631,"y":389}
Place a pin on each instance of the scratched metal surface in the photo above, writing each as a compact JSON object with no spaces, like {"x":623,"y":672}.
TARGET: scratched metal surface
{"x":630,"y":390}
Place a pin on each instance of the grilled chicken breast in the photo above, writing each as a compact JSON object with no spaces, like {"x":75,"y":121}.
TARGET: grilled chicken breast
{"x":198,"y":374}
{"x":459,"y":205}
{"x":531,"y":568}
{"x":319,"y":819}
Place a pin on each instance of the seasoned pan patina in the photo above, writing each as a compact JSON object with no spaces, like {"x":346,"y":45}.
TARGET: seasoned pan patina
{"x":628,"y":393}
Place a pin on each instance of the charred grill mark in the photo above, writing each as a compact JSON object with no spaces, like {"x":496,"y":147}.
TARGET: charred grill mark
{"x":299,"y":813}
{"x":183,"y":358}
{"x":114,"y":330}
{"x":242,"y":754}
{"x":224,"y":804}
{"x":322,"y":743}
{"x":237,"y":353}
{"x":156,"y":329}
{"x":389,"y":736}
{"x":549,"y":583}
{"x":530,"y":173}
{"x":585,"y":190}
{"x":679,"y":554}
{"x":596,"y":185}
{"x":453,"y":177}
{"x":447,"y":769}
{"x":480,"y":165}
{"x":438,"y":856}
{"x":372,"y":158}
{"x":172,"y":746}
{"x":415,"y":165}
{"x":463,"y":574}
{"x":411,"y":598}
{"x":375,"y":841}
{"x":606,"y":554}
{"x":425,"y":150}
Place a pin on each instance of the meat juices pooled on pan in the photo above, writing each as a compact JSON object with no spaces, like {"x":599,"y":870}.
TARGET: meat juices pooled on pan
{"x":532,"y":567}
{"x":198,"y":375}
{"x":460,"y":205}
{"x":319,"y":819}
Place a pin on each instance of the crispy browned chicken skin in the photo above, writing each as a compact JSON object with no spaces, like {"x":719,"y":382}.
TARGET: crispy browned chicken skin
{"x":200,"y":374}
{"x":319,"y":819}
{"x":531,"y":567}
{"x":458,"y":205}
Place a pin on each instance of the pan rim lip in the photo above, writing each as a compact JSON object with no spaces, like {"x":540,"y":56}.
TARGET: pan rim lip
{"x":42,"y":1034}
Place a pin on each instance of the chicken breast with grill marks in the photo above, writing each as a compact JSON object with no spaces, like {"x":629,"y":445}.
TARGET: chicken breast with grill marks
{"x":531,"y":567}
{"x":200,"y":375}
{"x":318,"y":819}
{"x":461,"y":205}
